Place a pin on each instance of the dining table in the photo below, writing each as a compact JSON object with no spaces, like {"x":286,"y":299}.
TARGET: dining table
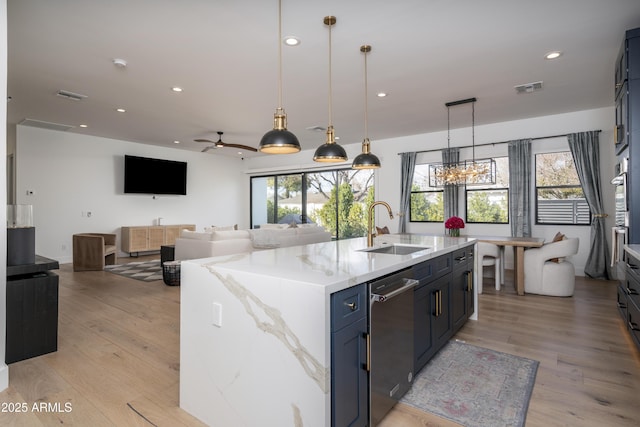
{"x":519,"y":244}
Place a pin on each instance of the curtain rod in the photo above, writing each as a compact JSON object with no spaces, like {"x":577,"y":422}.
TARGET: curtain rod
{"x":496,"y":143}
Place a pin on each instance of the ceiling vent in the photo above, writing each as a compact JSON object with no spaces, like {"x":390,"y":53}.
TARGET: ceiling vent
{"x":316,"y":128}
{"x":46,"y":125}
{"x":528,"y":87}
{"x":71,"y":95}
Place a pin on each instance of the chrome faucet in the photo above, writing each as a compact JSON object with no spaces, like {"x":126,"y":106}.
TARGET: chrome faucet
{"x":371,"y":234}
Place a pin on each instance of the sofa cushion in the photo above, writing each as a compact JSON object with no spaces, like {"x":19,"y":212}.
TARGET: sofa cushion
{"x":197,"y":235}
{"x":221,"y":228}
{"x":269,"y":226}
{"x":230,"y":235}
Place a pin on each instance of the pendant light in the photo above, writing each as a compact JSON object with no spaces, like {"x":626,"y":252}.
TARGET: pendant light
{"x":279,"y":140}
{"x":330,"y":151}
{"x":366,"y":159}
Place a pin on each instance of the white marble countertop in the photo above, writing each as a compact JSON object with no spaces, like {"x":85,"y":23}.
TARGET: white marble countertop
{"x":338,"y":264}
{"x":633,"y":250}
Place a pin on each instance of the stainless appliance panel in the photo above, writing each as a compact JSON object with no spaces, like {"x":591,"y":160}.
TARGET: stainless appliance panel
{"x":391,"y":341}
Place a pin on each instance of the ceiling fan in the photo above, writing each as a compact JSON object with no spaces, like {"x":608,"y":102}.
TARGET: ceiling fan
{"x":220,"y":144}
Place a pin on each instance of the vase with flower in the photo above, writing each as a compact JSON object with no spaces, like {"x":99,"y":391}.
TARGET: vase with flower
{"x":453,"y":226}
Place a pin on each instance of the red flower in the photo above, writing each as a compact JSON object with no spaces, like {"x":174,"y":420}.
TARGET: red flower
{"x":454,"y":222}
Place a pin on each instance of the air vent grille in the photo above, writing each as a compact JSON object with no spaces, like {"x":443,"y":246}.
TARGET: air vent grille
{"x":316,"y":128}
{"x":46,"y":125}
{"x":71,"y":95}
{"x":529,"y":87}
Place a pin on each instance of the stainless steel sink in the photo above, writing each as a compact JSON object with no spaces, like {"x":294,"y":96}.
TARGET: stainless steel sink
{"x":396,"y":249}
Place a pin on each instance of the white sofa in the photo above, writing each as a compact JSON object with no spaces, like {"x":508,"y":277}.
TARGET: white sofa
{"x":194,"y":245}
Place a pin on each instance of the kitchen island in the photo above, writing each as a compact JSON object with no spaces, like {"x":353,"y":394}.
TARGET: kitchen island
{"x":256,"y":328}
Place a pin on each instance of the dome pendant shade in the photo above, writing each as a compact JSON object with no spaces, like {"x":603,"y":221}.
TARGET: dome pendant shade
{"x":330,"y":151}
{"x":279,"y":140}
{"x":366,"y":159}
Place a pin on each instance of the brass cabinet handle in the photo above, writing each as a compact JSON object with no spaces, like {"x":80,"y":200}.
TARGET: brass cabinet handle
{"x":367,"y":365}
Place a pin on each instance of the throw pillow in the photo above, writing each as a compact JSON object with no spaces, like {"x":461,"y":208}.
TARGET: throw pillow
{"x":383,"y":230}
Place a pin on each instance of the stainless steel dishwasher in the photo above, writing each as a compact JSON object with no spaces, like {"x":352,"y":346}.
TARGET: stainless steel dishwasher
{"x":391,"y":341}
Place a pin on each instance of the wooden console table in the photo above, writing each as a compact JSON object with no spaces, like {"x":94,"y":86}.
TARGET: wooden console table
{"x":145,"y":238}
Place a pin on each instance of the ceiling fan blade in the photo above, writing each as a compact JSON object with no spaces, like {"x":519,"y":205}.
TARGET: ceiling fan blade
{"x":244,"y":147}
{"x":204,"y":140}
{"x":208,"y":148}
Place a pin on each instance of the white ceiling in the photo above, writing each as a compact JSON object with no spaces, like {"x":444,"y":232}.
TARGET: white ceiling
{"x":224,"y":53}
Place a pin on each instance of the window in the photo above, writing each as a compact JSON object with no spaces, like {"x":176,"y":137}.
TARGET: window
{"x":335,"y":199}
{"x":559,"y":195}
{"x":490,"y":203}
{"x":427,"y":203}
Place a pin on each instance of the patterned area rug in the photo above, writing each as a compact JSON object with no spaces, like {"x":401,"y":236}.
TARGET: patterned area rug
{"x":147,"y":271}
{"x":474,"y":386}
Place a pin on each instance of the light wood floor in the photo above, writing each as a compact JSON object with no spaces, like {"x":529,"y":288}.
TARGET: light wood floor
{"x":117,"y":362}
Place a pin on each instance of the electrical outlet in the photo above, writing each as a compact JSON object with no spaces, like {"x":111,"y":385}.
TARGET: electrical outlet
{"x":217,"y":314}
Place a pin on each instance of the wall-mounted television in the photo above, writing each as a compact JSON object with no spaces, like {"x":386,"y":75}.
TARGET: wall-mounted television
{"x":143,"y":175}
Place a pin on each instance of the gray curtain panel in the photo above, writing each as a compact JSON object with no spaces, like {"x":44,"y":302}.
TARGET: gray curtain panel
{"x":450,"y":191}
{"x":407,"y":166}
{"x":519,"y":187}
{"x":585,"y":150}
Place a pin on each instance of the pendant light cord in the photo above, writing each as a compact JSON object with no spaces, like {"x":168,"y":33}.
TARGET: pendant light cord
{"x":366,"y":99}
{"x":280,"y":55}
{"x":473,"y":132}
{"x":330,"y":85}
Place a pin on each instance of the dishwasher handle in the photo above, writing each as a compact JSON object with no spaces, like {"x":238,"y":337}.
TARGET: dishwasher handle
{"x":408,"y":283}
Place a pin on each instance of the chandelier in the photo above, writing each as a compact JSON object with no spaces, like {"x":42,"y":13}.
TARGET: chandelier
{"x":473,"y":172}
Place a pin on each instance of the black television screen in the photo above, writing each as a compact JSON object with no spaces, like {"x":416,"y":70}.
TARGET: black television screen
{"x":143,"y":175}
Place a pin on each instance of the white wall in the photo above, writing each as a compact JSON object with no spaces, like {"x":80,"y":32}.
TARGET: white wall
{"x":388,"y":177}
{"x":72,"y":174}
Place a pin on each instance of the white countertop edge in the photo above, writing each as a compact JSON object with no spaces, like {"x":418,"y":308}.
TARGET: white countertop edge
{"x":633,"y":250}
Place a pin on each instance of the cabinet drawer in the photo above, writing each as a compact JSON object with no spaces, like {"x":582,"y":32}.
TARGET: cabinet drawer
{"x":460,"y":257}
{"x":432,"y":269}
{"x":622,"y":301}
{"x":633,"y":321}
{"x":348,"y":306}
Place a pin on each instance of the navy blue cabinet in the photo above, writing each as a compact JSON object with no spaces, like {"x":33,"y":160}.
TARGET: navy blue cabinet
{"x":349,"y":375}
{"x":462,"y":294}
{"x":31,"y":310}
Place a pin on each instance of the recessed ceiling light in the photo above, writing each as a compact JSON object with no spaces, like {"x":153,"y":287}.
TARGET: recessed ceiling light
{"x":553,"y":55}
{"x":382,"y":94}
{"x":120,"y":110}
{"x":291,"y":41}
{"x":84,"y":126}
{"x":120,"y":63}
{"x":176,"y":142}
{"x":176,"y":89}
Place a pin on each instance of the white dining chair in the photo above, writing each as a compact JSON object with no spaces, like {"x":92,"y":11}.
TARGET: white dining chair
{"x":489,"y":254}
